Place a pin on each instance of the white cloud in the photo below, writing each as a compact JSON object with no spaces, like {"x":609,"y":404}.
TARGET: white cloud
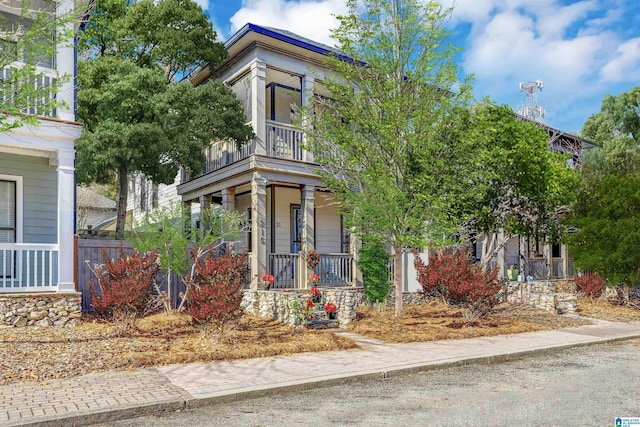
{"x":625,"y":66}
{"x":204,"y":4}
{"x":309,"y":18}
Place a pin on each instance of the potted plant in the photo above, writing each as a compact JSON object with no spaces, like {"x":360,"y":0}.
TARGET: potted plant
{"x":512,"y":273}
{"x":267,"y":281}
{"x":330,"y":308}
{"x":314,"y":292}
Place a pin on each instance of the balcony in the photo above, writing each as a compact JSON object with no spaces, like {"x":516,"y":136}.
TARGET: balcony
{"x":40,"y":97}
{"x":283,"y":141}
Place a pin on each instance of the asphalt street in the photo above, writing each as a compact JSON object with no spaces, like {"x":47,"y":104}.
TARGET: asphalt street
{"x":588,"y":386}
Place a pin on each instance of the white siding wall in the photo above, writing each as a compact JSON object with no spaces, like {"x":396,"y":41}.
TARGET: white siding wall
{"x":243,"y":203}
{"x":285,"y":197}
{"x":328,"y":228}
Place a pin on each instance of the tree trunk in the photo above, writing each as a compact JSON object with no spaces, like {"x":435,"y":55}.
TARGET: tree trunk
{"x":123,"y":192}
{"x":397,"y":278}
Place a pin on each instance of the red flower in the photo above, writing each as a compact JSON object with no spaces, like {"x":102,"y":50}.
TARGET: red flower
{"x":313,"y":258}
{"x":314,"y":291}
{"x":267,"y":278}
{"x":314,"y":278}
{"x":330,"y":307}
{"x":310,"y":304}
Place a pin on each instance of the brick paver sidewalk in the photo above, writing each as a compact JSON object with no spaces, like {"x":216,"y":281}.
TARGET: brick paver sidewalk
{"x":109,"y":395}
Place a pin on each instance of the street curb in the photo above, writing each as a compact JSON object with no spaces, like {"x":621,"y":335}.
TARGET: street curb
{"x":170,"y":405}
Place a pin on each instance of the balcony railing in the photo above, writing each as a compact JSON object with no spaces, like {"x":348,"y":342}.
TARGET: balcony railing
{"x":41,"y":86}
{"x":28,"y":267}
{"x":223,"y":153}
{"x":283,"y":141}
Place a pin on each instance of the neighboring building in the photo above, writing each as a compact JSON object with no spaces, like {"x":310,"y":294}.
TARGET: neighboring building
{"x":538,"y":258}
{"x":93,"y":211}
{"x":37,"y":182}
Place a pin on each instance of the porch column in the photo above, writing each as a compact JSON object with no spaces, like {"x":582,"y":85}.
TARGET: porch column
{"x":66,"y":187}
{"x":307,"y":207}
{"x":258,"y":228}
{"x":307,"y":102}
{"x":205,"y":220}
{"x":546,"y":252}
{"x":65,"y":63}
{"x":258,"y":104}
{"x":229,"y":199}
{"x":565,"y":260}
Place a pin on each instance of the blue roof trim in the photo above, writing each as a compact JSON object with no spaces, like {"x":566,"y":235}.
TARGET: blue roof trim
{"x":285,"y":38}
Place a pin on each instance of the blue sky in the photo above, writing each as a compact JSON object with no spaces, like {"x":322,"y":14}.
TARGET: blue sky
{"x":580,"y":49}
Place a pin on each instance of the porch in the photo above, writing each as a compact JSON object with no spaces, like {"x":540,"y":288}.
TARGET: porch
{"x":28,"y":267}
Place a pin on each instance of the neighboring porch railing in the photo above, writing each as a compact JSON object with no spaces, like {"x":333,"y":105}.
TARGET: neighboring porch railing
{"x":283,"y":267}
{"x":223,"y":153}
{"x":538,"y":269}
{"x":283,"y":141}
{"x":334,"y":269}
{"x":43,"y":82}
{"x":26,"y":267}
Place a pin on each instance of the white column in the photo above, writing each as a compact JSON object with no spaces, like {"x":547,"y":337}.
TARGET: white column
{"x":66,"y":187}
{"x":307,"y":107}
{"x":258,"y":229}
{"x":229,"y":199}
{"x":565,"y":260}
{"x":307,"y":205}
{"x":65,"y":64}
{"x":258,"y":104}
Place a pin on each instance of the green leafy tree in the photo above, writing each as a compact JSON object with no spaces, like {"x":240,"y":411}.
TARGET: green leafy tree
{"x":136,"y":117}
{"x":165,"y":231}
{"x":605,"y":219}
{"x":386,"y":135}
{"x":28,"y":40}
{"x":520,"y":185}
{"x":373,"y":261}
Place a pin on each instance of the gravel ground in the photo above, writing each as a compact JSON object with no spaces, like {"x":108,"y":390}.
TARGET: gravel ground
{"x":587,"y":386}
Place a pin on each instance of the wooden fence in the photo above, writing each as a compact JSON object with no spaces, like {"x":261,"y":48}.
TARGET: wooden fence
{"x":89,"y":252}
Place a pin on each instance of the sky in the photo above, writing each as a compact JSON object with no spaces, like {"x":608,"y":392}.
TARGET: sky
{"x":580,"y":49}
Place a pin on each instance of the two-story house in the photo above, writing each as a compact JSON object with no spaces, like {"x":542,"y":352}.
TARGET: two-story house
{"x":37,"y":174}
{"x":274,"y":181}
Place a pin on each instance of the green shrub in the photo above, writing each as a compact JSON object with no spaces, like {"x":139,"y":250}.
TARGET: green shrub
{"x":373,"y":262}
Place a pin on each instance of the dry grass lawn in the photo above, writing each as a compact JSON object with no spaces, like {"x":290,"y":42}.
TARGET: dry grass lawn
{"x":605,"y":310}
{"x":41,"y":354}
{"x":437,"y":321}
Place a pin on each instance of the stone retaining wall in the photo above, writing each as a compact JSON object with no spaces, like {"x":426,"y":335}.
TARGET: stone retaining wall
{"x":51,"y":309}
{"x":546,"y":295}
{"x":277,"y":305}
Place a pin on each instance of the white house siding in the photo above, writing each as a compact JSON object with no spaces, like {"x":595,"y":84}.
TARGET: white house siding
{"x":284,"y":198}
{"x":40,"y":204}
{"x":166,"y":196}
{"x":328,"y":227}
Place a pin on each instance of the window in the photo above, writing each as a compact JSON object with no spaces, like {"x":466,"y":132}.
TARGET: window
{"x":555,"y":251}
{"x":8,"y":226}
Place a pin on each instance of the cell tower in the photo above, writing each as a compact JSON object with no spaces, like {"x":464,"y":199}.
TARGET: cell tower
{"x":530,"y":108}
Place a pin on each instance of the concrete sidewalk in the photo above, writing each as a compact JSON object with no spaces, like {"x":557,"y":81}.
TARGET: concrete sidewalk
{"x":106,"y":396}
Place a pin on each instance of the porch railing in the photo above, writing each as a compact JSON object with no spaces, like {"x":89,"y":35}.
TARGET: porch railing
{"x":538,"y":269}
{"x":334,"y":269}
{"x":223,"y":153}
{"x":283,"y":267}
{"x":41,"y":84}
{"x":283,"y":141}
{"x":28,"y":267}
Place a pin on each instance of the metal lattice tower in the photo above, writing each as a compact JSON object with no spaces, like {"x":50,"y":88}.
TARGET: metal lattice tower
{"x":530,"y":108}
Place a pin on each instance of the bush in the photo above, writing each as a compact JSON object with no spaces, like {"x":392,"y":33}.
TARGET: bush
{"x":373,"y":262}
{"x":216,"y":291}
{"x":125,"y":286}
{"x":451,"y":276}
{"x":591,"y":285}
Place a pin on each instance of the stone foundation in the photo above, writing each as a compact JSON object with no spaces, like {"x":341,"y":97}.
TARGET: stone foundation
{"x":277,"y":304}
{"x":545,"y":295}
{"x":51,"y":309}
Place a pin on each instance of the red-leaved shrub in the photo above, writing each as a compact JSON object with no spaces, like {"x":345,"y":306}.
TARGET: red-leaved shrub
{"x":216,"y":291}
{"x":451,"y":276}
{"x":124,"y":284}
{"x":590,"y":285}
